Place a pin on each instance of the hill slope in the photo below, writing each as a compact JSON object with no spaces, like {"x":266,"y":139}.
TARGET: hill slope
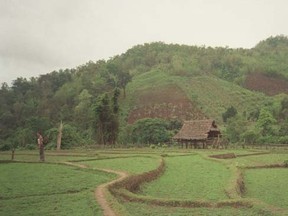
{"x":167,"y":81}
{"x":268,"y":84}
{"x":158,"y":94}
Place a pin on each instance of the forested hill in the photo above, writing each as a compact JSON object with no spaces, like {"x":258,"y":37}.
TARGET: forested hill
{"x":143,"y":96}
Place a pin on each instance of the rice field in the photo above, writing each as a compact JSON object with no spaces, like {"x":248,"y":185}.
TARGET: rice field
{"x":29,"y":187}
{"x":190,"y":177}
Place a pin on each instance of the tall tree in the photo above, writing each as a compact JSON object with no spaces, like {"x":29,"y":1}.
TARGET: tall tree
{"x":230,"y":112}
{"x":266,"y":122}
{"x":107,"y":124}
{"x":117,"y":77}
{"x":236,"y":126}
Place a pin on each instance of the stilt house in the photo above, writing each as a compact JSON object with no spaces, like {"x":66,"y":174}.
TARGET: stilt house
{"x":199,"y":132}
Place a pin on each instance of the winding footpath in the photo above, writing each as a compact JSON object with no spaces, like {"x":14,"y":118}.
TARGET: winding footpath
{"x":100,"y":190}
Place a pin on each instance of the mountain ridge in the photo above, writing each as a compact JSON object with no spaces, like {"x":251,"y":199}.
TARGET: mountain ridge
{"x":166,"y":81}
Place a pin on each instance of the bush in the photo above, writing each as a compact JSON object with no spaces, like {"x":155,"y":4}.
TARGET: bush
{"x":236,"y":126}
{"x":9,"y":144}
{"x":283,"y":140}
{"x":31,"y":146}
{"x":5,"y":146}
{"x":150,"y":131}
{"x":250,"y":136}
{"x":70,"y":137}
{"x":268,"y":140}
{"x":229,"y":113}
{"x":51,"y":146}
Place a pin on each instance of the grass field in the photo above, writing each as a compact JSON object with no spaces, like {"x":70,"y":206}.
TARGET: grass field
{"x":34,"y":188}
{"x":148,"y":210}
{"x":28,"y":187}
{"x":132,"y":165}
{"x":190,"y":177}
{"x":269,"y":185}
{"x":82,"y":203}
{"x":50,"y":156}
{"x":260,"y":160}
{"x":19,"y":180}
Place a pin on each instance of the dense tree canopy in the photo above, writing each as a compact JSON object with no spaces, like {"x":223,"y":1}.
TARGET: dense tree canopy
{"x":86,"y":98}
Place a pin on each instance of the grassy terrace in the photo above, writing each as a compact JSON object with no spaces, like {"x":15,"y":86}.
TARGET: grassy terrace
{"x":190,"y":177}
{"x":132,"y":165}
{"x":81,"y":203}
{"x":259,"y":160}
{"x":148,"y":210}
{"x":53,"y":188}
{"x":268,"y":185}
{"x":50,"y":156}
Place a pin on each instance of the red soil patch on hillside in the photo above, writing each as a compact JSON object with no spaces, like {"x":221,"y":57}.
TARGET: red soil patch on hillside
{"x":168,"y":102}
{"x":266,"y":84}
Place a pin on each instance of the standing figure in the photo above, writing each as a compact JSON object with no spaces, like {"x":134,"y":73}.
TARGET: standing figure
{"x":41,"y":146}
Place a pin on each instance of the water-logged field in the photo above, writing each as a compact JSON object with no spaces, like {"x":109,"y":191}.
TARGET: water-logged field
{"x":28,"y":187}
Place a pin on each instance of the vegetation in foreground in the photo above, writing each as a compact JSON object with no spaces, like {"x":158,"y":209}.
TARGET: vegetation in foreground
{"x":82,"y":203}
{"x":133,"y":164}
{"x":58,"y":189}
{"x":145,"y":210}
{"x":268,"y":185}
{"x":50,"y":189}
{"x":190,"y":178}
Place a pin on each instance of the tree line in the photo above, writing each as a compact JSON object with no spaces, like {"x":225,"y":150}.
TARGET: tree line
{"x":87,"y":98}
{"x":268,"y":125}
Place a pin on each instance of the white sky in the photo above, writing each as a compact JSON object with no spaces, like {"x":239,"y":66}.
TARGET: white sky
{"x":39,"y":36}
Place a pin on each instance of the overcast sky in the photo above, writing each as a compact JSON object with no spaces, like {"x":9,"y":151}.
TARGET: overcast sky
{"x":39,"y":36}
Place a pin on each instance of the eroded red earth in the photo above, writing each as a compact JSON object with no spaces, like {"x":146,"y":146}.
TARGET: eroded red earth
{"x":168,"y":102}
{"x":269,"y":85}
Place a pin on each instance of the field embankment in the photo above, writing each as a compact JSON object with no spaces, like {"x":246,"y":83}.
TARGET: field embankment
{"x":182,"y":182}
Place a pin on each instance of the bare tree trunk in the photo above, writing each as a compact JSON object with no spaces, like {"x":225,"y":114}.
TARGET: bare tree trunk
{"x":13,"y":154}
{"x":59,"y":137}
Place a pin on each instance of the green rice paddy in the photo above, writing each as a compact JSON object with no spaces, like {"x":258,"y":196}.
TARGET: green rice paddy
{"x":268,"y":185}
{"x":132,"y":165}
{"x":28,"y":187}
{"x":192,"y":178}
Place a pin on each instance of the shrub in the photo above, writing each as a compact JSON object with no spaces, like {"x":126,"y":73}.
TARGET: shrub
{"x":31,"y":146}
{"x":51,"y":146}
{"x":150,"y":131}
{"x":250,"y":136}
{"x":268,"y":140}
{"x":70,"y":137}
{"x":236,"y":126}
{"x":230,"y":112}
{"x":6,"y":146}
{"x":283,"y":140}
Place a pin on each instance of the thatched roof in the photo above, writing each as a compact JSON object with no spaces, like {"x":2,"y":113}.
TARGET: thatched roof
{"x":196,"y":130}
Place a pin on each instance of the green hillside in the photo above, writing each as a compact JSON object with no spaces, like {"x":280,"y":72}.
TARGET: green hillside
{"x":209,"y":94}
{"x":144,"y":95}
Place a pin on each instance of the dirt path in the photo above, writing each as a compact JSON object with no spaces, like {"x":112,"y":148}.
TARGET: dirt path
{"x":76,"y":165}
{"x":100,"y":192}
